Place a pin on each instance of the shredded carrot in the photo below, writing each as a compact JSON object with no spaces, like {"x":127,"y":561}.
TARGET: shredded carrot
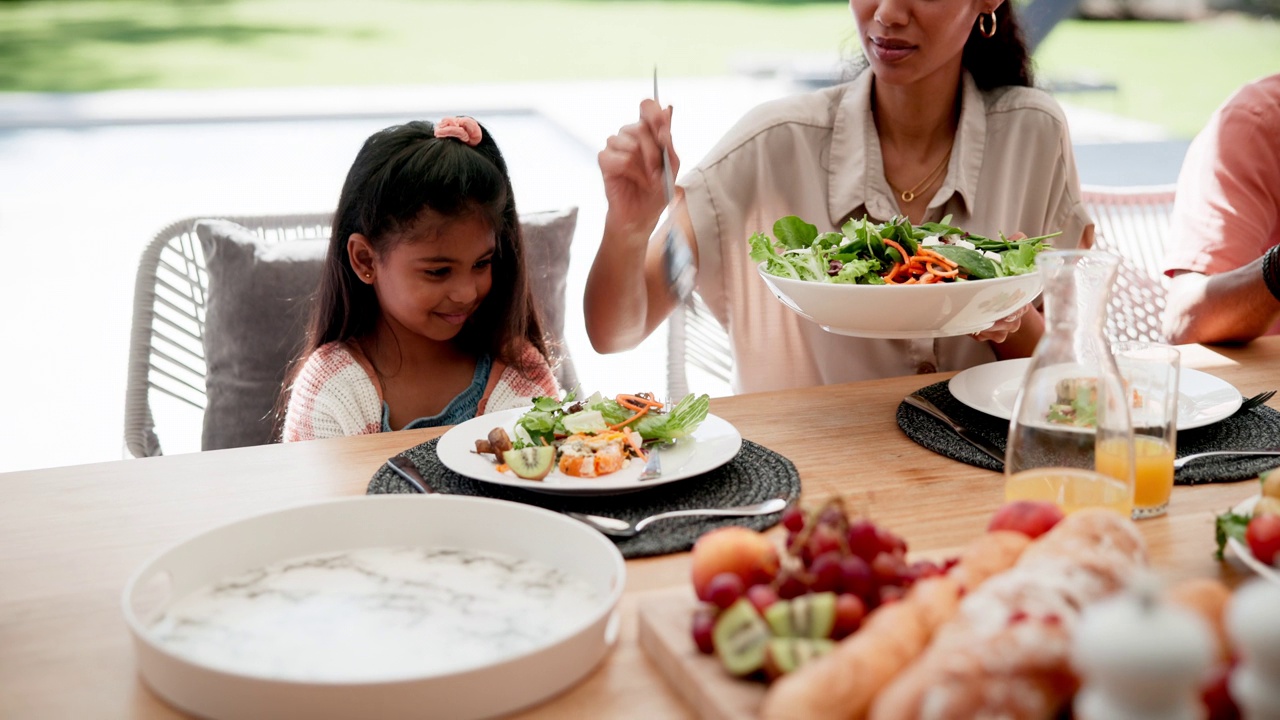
{"x":943,"y":273}
{"x":641,"y":405}
{"x":906,"y":257}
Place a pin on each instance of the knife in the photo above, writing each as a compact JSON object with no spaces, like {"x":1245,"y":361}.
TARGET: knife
{"x":915,"y":401}
{"x":404,"y":467}
{"x":677,"y":258}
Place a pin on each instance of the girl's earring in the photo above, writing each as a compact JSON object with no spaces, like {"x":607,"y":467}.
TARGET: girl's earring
{"x":987,"y":32}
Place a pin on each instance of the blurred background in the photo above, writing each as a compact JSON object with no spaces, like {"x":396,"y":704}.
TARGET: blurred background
{"x":118,"y":117}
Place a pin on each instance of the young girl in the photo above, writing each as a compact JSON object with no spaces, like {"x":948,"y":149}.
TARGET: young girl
{"x":423,"y":315}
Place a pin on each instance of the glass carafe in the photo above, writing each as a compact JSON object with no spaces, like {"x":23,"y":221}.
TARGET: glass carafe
{"x":1070,"y":438}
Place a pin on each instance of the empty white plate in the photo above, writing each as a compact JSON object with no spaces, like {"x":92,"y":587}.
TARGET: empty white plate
{"x":992,"y":388}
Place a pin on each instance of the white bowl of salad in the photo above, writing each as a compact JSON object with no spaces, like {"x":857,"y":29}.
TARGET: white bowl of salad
{"x":898,"y":280}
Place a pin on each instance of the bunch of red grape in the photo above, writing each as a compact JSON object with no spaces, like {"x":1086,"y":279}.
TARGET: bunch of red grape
{"x":860,"y":565}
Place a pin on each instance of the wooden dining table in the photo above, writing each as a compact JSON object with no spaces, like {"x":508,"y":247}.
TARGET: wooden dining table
{"x":71,"y":536}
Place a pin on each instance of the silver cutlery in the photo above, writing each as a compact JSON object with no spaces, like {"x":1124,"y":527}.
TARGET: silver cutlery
{"x":401,"y":465}
{"x":653,"y":463}
{"x":1253,"y":402}
{"x":917,"y":401}
{"x":624,"y":528}
{"x":1177,"y":464}
{"x":677,"y":259}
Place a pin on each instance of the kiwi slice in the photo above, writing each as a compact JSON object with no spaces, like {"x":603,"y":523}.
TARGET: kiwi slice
{"x":806,"y":616}
{"x":740,"y":637}
{"x":782,"y":655}
{"x":531,"y":463}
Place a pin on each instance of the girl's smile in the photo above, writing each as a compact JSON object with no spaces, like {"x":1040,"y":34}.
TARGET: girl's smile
{"x":891,"y":50}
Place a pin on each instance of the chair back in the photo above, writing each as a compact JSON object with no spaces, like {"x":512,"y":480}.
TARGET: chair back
{"x":172,"y":347}
{"x":1133,"y":222}
{"x":695,"y":339}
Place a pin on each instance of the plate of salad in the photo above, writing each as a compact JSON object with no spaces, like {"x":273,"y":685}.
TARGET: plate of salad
{"x":896,"y":279}
{"x":594,"y":446}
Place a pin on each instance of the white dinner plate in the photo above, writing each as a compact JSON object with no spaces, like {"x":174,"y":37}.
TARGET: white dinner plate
{"x":1241,"y":550}
{"x":992,"y":388}
{"x":713,"y":444}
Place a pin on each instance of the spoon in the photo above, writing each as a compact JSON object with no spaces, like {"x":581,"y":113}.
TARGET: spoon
{"x":1177,"y":464}
{"x":626,"y":528}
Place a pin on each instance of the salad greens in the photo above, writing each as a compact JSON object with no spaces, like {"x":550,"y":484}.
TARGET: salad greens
{"x":552,"y":418}
{"x":864,"y":252}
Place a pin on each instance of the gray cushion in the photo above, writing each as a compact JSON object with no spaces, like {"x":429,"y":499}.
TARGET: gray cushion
{"x":257,"y":303}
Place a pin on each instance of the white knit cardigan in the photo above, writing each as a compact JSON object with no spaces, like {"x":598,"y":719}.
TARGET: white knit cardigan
{"x":336,"y":392}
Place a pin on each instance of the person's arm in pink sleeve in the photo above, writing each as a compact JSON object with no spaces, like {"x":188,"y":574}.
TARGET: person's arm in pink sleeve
{"x":1227,"y":212}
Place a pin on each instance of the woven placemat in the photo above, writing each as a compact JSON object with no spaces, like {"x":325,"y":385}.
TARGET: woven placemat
{"x":1255,"y":429}
{"x":754,"y":475}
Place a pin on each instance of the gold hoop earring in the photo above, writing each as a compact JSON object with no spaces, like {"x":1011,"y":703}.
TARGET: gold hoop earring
{"x":987,"y":33}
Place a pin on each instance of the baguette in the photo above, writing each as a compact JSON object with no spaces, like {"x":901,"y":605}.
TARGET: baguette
{"x":1005,"y":653}
{"x":843,"y":683}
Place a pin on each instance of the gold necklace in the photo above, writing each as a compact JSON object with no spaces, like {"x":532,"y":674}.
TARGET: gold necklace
{"x":909,"y":195}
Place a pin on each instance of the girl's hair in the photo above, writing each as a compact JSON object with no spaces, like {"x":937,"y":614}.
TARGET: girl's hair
{"x":996,"y":61}
{"x":1001,"y":59}
{"x":405,"y":178}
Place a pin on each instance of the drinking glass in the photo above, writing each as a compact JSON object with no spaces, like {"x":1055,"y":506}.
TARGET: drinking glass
{"x":1071,"y":409}
{"x":1150,"y":373}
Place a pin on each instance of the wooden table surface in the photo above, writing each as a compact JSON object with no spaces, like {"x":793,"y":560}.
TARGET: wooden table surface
{"x":70,"y":537}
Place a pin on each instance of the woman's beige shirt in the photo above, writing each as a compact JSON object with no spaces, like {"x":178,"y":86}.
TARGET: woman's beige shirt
{"x":818,"y":156}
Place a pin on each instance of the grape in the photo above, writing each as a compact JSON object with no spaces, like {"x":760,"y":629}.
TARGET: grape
{"x":832,"y":516}
{"x":863,"y":540}
{"x":793,"y":519}
{"x":704,"y":623}
{"x":890,"y":542}
{"x":762,"y":596}
{"x":849,"y":613}
{"x":855,"y":576}
{"x":724,"y":589}
{"x":826,"y":572}
{"x":823,"y":540}
{"x":888,"y":569}
{"x":922,"y":569}
{"x":791,"y":586}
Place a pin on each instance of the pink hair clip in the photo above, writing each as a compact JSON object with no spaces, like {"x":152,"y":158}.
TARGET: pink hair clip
{"x":463,"y":128}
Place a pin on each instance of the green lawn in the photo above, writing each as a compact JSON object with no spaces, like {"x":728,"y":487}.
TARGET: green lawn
{"x":1174,"y":74}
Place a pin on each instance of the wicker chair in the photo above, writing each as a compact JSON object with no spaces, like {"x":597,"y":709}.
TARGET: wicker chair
{"x":167,"y":363}
{"x":1133,"y":222}
{"x":695,"y":338}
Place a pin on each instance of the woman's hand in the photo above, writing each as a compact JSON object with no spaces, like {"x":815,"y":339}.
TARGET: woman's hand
{"x":1004,"y":327}
{"x":631,"y":165}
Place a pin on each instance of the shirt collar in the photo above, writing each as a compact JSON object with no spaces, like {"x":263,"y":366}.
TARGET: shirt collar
{"x":856,"y":167}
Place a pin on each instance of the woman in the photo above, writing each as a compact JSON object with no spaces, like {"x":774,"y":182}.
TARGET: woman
{"x":942,"y":121}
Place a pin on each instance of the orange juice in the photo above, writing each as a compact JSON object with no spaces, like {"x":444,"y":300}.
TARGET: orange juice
{"x":1152,"y":472}
{"x":1071,"y":489}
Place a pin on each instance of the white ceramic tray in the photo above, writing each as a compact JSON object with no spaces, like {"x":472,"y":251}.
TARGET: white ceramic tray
{"x":388,"y":607}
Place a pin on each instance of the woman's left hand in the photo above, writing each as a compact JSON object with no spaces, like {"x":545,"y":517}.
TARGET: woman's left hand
{"x":1004,"y":327}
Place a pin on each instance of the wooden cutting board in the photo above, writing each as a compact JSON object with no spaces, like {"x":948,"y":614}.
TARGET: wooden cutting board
{"x":665,"y":619}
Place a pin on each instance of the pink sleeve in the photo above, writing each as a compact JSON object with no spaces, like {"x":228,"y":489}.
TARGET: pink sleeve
{"x":1227,"y":208}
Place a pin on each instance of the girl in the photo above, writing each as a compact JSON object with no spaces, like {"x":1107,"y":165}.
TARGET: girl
{"x":942,"y":120}
{"x":423,"y":316}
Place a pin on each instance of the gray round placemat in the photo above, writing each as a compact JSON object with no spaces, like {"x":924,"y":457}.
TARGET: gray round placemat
{"x":1255,"y":429}
{"x":754,"y":475}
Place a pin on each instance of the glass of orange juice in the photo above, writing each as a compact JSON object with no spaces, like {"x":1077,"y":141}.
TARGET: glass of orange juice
{"x":1150,"y":372}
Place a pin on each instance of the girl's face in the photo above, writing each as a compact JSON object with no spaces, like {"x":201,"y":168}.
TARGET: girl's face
{"x":430,"y":282}
{"x":906,"y":41}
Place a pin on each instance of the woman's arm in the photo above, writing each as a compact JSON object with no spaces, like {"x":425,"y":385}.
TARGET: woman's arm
{"x":627,"y":294}
{"x":1234,"y":306}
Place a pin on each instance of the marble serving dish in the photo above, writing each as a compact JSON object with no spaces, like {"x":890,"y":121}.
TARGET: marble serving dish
{"x":389,"y":607}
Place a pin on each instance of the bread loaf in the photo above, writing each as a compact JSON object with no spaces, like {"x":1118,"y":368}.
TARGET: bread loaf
{"x":1005,"y":653}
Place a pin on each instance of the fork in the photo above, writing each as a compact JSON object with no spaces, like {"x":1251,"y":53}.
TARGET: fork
{"x":1177,"y":464}
{"x":1256,"y":400}
{"x":676,"y":256}
{"x":653,"y":464}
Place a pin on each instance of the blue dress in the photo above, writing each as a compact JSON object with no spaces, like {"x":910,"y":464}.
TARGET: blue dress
{"x":463,"y":407}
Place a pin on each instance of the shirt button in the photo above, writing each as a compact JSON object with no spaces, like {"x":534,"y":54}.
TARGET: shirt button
{"x":926,"y":368}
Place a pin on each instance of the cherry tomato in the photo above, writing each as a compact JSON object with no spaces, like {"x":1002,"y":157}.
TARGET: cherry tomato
{"x":1263,"y":535}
